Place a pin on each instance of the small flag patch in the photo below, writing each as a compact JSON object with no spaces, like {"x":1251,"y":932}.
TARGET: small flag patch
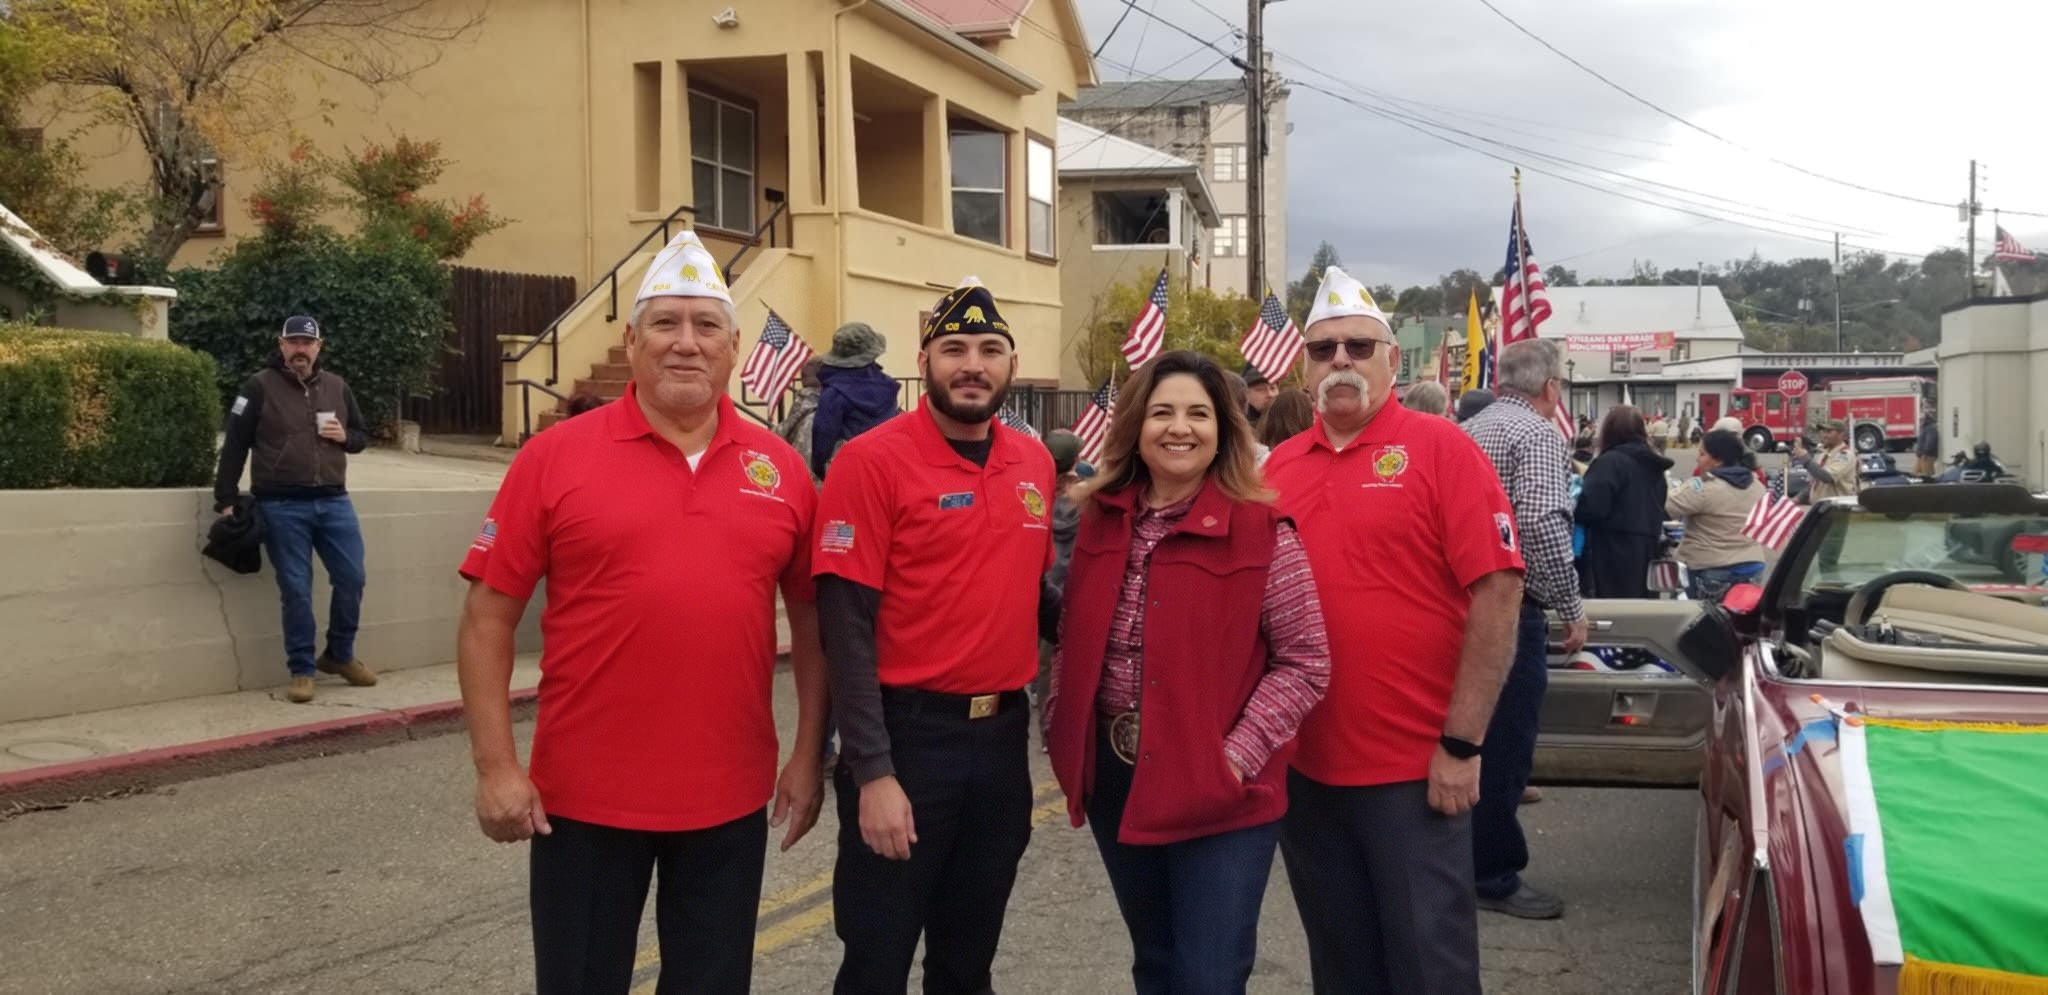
{"x":241,"y":404}
{"x":837,"y":537}
{"x":487,"y":536}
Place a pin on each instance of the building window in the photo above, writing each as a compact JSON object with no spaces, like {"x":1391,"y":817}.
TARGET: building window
{"x":722,"y":162}
{"x":980,"y":182}
{"x":211,"y":199}
{"x":1039,"y":211}
{"x":1133,"y":217}
{"x":1231,"y":239}
{"x":1617,"y":362}
{"x":1229,"y":164}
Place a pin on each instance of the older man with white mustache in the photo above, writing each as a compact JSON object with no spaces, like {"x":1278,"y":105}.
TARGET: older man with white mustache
{"x":1418,"y":564}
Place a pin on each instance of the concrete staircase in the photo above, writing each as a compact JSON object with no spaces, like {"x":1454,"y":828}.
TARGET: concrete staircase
{"x":607,"y":380}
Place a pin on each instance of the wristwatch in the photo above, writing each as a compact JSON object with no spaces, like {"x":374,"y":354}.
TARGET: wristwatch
{"x":1463,"y":749}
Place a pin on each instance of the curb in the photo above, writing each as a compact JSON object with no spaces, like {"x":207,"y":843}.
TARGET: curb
{"x":59,"y":785}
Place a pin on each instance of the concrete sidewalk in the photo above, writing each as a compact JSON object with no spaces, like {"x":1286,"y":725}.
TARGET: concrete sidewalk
{"x":56,"y":761}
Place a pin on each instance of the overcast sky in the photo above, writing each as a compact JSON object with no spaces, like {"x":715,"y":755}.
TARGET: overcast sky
{"x":1895,"y":101}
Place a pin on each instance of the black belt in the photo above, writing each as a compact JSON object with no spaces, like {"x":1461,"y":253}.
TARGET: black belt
{"x":967,"y":706}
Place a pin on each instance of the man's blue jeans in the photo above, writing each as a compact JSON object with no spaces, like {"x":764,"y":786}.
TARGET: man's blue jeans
{"x":294,"y":529}
{"x":1499,"y":850}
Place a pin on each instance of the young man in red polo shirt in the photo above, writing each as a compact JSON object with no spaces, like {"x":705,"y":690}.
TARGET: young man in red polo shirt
{"x":1416,"y":559}
{"x":663,"y":523}
{"x":934,"y":533}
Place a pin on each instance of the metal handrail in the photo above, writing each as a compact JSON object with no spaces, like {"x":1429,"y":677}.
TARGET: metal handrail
{"x":768,"y":227}
{"x":526,"y":389}
{"x":552,"y":334}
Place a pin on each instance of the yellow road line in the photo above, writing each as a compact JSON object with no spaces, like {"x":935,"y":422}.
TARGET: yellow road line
{"x":807,"y":921}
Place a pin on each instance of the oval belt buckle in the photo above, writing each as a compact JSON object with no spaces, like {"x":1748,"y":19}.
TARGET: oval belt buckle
{"x":1123,"y":737}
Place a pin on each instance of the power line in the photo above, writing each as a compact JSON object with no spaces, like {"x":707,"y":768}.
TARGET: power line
{"x":1121,"y":18}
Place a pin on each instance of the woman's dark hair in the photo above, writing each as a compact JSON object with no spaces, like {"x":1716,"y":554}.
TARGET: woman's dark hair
{"x":1623,"y":424}
{"x":1725,"y":447}
{"x":1235,"y":468}
{"x":1290,"y":414}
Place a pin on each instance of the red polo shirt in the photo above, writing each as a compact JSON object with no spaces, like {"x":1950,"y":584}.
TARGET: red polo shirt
{"x":1397,"y":526}
{"x":957,"y":551}
{"x":658,"y":660}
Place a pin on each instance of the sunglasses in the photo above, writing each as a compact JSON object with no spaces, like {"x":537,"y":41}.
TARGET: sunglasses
{"x":1324,"y":350}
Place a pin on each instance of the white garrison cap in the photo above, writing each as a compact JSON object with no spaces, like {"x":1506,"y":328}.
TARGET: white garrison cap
{"x":1341,"y":296}
{"x":683,"y":268}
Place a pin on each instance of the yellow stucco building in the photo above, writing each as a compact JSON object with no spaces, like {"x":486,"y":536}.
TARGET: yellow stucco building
{"x":865,"y":154}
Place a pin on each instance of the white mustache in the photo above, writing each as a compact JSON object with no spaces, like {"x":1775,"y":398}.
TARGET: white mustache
{"x":1341,"y":378}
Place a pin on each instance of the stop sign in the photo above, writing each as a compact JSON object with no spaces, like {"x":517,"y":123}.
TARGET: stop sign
{"x":1793,"y":383}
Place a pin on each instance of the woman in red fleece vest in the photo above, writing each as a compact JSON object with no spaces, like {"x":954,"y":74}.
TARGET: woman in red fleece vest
{"x":1192,"y":646}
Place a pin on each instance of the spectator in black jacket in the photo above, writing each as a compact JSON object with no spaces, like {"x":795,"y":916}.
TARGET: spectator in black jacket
{"x":301,"y":422}
{"x":1622,"y":509}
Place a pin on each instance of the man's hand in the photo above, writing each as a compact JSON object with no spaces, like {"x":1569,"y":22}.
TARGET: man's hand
{"x":508,"y":806}
{"x":1574,"y":636}
{"x":332,"y":431}
{"x":1453,"y":783}
{"x":799,"y":794}
{"x":228,"y":512}
{"x":886,"y":824}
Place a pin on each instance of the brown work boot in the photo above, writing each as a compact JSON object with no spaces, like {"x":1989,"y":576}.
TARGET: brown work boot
{"x":301,"y":690}
{"x":353,"y":671}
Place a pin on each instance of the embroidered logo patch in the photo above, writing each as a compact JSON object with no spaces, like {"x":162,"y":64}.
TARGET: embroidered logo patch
{"x":486,"y":537}
{"x":761,"y":471}
{"x":1391,"y":463}
{"x":1504,"y":523}
{"x":1034,"y":502}
{"x":956,"y":500}
{"x":836,"y":537}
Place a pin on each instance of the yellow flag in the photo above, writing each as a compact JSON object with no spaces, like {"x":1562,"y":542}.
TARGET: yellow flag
{"x":1475,"y":346}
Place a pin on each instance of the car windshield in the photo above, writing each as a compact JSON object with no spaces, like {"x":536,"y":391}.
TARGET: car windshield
{"x":1991,"y":553}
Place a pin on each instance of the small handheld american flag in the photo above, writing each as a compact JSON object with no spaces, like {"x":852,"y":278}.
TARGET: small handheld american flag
{"x":775,"y":361}
{"x":1772,"y":521}
{"x":1093,"y":425}
{"x":1010,"y":418}
{"x":1273,"y":343}
{"x":1148,"y":330}
{"x":1525,"y":301}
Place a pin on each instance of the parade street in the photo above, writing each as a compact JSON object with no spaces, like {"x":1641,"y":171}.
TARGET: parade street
{"x":365,"y":872}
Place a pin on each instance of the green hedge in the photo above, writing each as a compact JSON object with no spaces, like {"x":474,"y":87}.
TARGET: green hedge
{"x":90,"y":409}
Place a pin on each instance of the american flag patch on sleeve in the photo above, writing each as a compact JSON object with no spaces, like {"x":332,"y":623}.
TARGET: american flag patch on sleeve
{"x":837,"y":537}
{"x":487,"y":536}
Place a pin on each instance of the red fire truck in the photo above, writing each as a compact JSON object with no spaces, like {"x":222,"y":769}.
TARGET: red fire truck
{"x":1881,"y":412}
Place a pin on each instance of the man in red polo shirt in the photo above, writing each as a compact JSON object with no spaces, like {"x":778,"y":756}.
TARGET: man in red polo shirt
{"x":934,"y":533}
{"x":664,"y":523}
{"x":1416,"y":558}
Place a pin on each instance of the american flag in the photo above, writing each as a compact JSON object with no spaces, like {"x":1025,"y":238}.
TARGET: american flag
{"x":1524,"y":302}
{"x":1093,"y":425}
{"x":1148,"y":331}
{"x":2010,"y":248}
{"x":1273,"y":343}
{"x":1011,"y":418}
{"x":486,"y":537}
{"x":775,"y":361}
{"x":1772,"y":521}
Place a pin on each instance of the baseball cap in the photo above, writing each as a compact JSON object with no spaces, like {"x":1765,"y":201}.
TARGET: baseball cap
{"x":1830,"y":425}
{"x":299,"y":326}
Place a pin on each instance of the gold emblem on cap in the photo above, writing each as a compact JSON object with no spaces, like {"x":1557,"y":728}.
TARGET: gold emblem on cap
{"x":1334,"y":299}
{"x":689,"y":272}
{"x":1366,"y":296}
{"x":973,"y":313}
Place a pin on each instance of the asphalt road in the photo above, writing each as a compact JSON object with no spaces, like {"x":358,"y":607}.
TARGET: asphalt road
{"x":364,"y":872}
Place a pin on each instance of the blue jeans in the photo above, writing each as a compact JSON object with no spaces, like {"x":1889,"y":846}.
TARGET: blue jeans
{"x":1499,"y":850}
{"x":1192,"y":907}
{"x":1712,"y":583}
{"x":293,"y":530}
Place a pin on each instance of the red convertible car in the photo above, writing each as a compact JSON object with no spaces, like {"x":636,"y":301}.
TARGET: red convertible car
{"x":1789,"y":703}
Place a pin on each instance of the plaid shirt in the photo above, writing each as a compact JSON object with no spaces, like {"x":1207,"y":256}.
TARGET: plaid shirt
{"x":1529,"y":454}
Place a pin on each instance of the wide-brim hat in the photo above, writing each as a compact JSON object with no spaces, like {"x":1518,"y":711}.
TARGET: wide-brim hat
{"x":968,"y":309}
{"x":854,"y":345}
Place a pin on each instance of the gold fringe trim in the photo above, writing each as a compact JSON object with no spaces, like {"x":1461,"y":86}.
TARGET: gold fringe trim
{"x":1923,"y":977}
{"x":1936,"y":725}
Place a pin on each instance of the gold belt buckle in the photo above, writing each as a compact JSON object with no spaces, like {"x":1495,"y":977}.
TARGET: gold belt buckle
{"x":1123,"y":737}
{"x":982,"y":706}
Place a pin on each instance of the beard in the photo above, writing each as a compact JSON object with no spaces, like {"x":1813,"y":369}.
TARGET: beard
{"x":966,"y":414}
{"x":1341,"y":378}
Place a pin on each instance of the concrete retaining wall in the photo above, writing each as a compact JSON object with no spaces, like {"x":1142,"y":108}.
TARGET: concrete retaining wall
{"x":105,"y":600}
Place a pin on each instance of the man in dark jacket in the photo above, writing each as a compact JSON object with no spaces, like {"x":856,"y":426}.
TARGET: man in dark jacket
{"x":1621,"y":507}
{"x":1928,"y":446}
{"x":301,"y":422}
{"x":854,"y":396}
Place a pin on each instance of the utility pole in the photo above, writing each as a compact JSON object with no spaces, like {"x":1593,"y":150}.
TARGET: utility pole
{"x":1838,"y":291}
{"x":1255,"y":147}
{"x":1971,"y":210}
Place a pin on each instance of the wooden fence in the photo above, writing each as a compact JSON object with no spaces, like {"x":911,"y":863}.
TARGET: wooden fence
{"x":469,"y":390}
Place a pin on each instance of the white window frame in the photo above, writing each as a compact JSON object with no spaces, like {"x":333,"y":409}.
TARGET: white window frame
{"x":1230,"y":240}
{"x":1033,"y":145}
{"x":1229,"y":164}
{"x":1173,"y":243}
{"x":1003,"y":216}
{"x":716,"y":162}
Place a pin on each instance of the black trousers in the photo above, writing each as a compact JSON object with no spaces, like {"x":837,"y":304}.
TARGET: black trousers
{"x":969,"y":784}
{"x":589,"y":887}
{"x":1384,"y":886}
